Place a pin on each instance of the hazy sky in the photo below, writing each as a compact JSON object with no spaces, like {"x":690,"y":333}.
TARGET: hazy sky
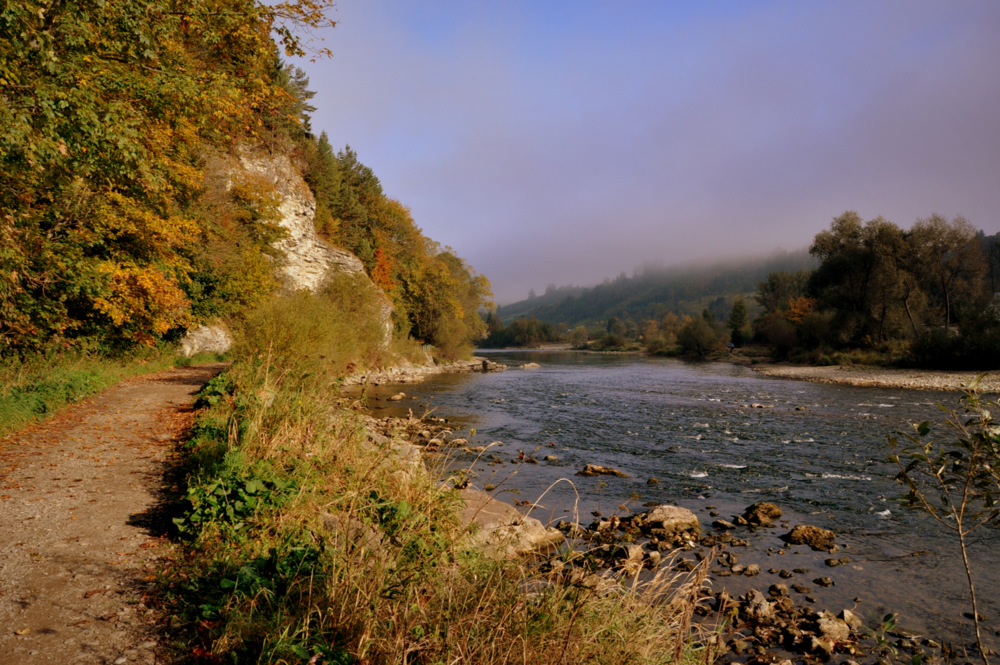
{"x":563,"y":142}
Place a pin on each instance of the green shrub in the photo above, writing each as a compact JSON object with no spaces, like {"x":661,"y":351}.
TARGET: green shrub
{"x":699,"y":337}
{"x":314,"y":340}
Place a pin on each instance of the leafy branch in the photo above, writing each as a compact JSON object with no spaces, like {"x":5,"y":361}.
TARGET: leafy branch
{"x":956,"y":481}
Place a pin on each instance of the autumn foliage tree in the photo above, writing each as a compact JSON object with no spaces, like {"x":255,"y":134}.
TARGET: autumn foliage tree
{"x":436,"y":296}
{"x":108,"y":110}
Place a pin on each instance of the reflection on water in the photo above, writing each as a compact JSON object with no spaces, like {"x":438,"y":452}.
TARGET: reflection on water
{"x":718,"y":436}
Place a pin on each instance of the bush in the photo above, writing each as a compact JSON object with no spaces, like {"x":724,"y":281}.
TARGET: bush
{"x":610,"y":341}
{"x":698,"y":336}
{"x":776,"y":330}
{"x":315,"y":340}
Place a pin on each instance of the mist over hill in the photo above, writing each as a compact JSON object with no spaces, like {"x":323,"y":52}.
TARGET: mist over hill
{"x":653,"y":290}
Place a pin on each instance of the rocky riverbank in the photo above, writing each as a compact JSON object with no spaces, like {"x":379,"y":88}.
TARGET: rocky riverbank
{"x":496,"y":526}
{"x":415,"y":373}
{"x":780,"y":589}
{"x":880,"y":377}
{"x":771,"y":592}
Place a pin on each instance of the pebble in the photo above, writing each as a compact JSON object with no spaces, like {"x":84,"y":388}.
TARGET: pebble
{"x":121,"y":661}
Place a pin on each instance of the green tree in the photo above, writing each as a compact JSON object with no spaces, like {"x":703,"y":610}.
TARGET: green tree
{"x":949,"y":257}
{"x":739,"y":322}
{"x":862,"y":277}
{"x":779,"y":289}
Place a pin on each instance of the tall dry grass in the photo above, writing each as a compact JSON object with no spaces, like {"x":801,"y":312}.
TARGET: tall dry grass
{"x":312,"y":541}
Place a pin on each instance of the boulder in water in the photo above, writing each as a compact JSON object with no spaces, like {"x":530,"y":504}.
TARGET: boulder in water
{"x":598,"y":470}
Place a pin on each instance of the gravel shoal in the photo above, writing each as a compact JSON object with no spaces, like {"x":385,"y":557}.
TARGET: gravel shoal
{"x":856,"y":375}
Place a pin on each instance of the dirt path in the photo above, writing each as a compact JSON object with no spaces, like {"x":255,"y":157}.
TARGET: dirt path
{"x":78,"y":543}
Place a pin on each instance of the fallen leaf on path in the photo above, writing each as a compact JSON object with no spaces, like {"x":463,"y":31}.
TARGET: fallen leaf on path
{"x":94,"y":592}
{"x":23,"y":631}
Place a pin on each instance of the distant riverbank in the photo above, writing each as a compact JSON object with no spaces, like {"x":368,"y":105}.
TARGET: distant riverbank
{"x":914,"y":379}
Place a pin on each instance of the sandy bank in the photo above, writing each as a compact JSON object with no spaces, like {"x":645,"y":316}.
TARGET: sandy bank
{"x":914,"y":379}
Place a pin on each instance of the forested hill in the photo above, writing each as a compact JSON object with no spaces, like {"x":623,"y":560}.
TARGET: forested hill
{"x":653,"y":292}
{"x":112,"y":233}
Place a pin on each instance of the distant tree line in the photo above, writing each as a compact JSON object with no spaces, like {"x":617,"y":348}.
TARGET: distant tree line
{"x":652,"y":292}
{"x":925,"y":296}
{"x":522,"y":332}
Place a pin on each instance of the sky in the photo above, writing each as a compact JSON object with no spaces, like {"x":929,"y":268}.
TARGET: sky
{"x":561,"y":143}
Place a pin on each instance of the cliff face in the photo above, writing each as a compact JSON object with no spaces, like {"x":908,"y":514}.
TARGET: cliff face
{"x":308,"y":260}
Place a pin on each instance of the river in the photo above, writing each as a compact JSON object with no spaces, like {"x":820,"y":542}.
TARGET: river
{"x":718,"y":437}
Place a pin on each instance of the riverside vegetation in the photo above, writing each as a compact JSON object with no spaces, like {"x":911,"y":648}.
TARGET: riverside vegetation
{"x":309,"y":541}
{"x":305,"y":538}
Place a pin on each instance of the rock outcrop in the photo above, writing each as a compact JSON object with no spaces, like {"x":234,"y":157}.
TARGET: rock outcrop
{"x":206,"y":339}
{"x":308,"y":260}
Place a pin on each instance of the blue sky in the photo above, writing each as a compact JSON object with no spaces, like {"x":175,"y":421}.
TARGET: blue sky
{"x":564,"y":142}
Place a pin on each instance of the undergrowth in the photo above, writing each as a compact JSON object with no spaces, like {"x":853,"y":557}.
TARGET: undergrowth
{"x":307,"y":541}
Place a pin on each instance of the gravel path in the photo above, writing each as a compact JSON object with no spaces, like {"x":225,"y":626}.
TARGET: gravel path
{"x":79,"y":538}
{"x":916,"y":379}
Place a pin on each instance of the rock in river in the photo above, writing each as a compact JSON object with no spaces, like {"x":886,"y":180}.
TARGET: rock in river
{"x":597,"y":470}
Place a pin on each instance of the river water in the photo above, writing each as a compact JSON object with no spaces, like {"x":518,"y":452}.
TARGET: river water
{"x":818,"y":451}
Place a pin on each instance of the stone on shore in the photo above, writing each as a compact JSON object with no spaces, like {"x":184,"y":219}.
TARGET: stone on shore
{"x":761,"y":513}
{"x":598,"y":470}
{"x":817,"y":538}
{"x":500,"y":529}
{"x":667,"y":523}
{"x":755,"y":607}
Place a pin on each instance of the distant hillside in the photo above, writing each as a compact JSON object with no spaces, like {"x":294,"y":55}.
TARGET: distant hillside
{"x":653,"y":292}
